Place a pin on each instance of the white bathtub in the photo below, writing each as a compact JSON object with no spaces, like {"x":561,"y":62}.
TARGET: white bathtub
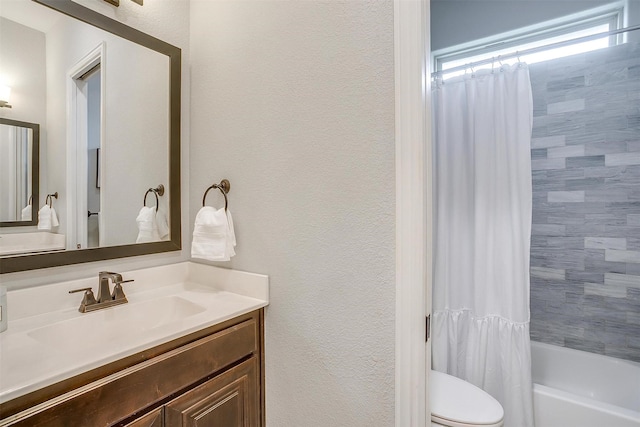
{"x":574,"y":388}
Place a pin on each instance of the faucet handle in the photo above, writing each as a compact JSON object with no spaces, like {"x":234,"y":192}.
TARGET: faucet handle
{"x":87,"y":299}
{"x":86,"y":290}
{"x":118,"y":293}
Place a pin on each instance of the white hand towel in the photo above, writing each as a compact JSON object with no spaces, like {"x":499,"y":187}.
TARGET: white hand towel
{"x":231,"y":241}
{"x":163,"y":226}
{"x":147,"y":227}
{"x":44,"y":218}
{"x":213,"y":238}
{"x":26,"y":213}
{"x":54,"y":217}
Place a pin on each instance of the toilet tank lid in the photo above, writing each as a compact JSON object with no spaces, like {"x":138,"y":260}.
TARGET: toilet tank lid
{"x":454,"y":399}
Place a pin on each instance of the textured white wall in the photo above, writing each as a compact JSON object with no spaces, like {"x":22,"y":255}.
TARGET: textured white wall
{"x":293,"y":102}
{"x":167,"y":20}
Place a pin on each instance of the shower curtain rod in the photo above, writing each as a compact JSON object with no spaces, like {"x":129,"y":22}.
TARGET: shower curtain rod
{"x":536,"y":50}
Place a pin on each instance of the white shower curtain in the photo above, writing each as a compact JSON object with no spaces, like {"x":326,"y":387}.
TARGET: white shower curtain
{"x":483,"y":232}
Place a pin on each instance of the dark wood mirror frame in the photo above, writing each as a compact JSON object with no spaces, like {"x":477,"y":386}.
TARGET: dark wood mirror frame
{"x":45,"y":260}
{"x":35,"y":172}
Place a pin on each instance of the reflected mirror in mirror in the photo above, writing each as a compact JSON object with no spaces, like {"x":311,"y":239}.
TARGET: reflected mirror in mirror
{"x":19,"y":172}
{"x":107,"y":99}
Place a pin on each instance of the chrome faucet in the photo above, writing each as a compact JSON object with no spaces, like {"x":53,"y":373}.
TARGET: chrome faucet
{"x":106,"y":298}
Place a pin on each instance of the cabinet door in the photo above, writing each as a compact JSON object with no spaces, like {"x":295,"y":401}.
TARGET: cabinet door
{"x":152,"y":419}
{"x":231,"y":399}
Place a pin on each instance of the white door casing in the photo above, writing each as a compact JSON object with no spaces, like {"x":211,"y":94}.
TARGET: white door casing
{"x":413,"y":211}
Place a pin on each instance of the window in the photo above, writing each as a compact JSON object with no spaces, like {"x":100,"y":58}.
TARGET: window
{"x":596,"y":22}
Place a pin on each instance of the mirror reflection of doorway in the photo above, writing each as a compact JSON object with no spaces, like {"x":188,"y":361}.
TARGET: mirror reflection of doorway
{"x":85,"y":151}
{"x":93,"y":157}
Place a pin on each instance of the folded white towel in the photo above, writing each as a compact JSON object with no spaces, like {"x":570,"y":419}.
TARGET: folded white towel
{"x":213,"y":235}
{"x":147,"y":226}
{"x":26,"y":213}
{"x":44,"y":218}
{"x":162,"y":224}
{"x":54,"y":217}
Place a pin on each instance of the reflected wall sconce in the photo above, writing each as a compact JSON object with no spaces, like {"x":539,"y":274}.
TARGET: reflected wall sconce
{"x":5,"y":93}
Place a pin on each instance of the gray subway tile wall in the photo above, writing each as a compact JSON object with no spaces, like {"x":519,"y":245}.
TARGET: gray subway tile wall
{"x":585,"y":244}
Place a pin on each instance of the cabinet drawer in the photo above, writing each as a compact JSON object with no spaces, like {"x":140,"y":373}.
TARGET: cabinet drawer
{"x":129,"y":391}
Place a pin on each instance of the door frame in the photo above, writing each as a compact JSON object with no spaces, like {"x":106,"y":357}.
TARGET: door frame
{"x":413,"y":210}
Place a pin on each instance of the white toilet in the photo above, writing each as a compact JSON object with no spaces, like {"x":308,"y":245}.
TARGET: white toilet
{"x":457,"y":403}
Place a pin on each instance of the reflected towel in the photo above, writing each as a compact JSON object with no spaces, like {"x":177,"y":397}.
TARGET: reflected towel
{"x":26,"y":213}
{"x":213,"y":235}
{"x":147,"y":226}
{"x":44,"y":218}
{"x":162,"y":224}
{"x":54,"y":217}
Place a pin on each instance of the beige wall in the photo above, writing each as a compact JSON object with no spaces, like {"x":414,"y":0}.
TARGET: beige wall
{"x":293,"y":102}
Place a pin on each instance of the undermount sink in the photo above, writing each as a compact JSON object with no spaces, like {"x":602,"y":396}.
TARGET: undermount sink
{"x":115,"y":324}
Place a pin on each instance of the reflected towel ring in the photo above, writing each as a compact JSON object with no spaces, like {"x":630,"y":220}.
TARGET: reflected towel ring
{"x":158,"y":191}
{"x":30,"y":200}
{"x":49,"y":199}
{"x":224,"y":188}
{"x":151,"y":190}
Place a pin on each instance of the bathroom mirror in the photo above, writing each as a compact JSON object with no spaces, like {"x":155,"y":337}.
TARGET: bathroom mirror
{"x":104,"y":82}
{"x":19,"y":173}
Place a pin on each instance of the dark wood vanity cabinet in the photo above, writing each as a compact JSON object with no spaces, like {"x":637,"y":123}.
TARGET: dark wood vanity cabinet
{"x":214,"y":377}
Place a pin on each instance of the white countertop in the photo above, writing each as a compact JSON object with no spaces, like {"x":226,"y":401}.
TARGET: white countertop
{"x":49,"y":340}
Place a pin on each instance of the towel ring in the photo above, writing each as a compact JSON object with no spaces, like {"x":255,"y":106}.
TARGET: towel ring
{"x":158,"y":191}
{"x":30,"y":200}
{"x":224,"y":188}
{"x":49,"y":199}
